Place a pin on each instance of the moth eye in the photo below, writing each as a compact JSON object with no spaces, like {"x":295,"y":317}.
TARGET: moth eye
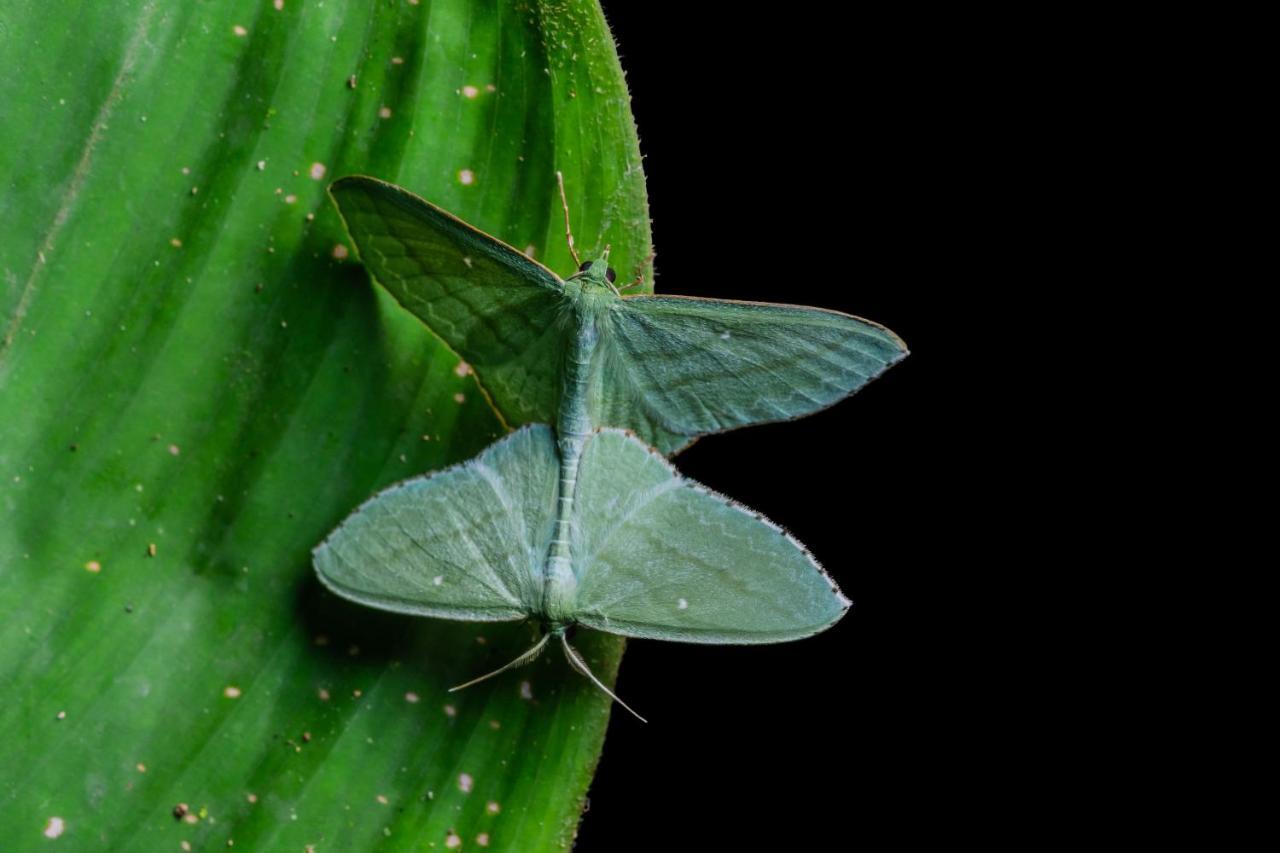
{"x":611,"y":275}
{"x":586,"y":265}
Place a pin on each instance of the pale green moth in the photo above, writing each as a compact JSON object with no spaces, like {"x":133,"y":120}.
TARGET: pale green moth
{"x":586,"y":525}
{"x":668,"y":368}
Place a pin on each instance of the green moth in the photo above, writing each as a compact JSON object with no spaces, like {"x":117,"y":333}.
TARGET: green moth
{"x":586,"y":523}
{"x":621,"y":544}
{"x":668,"y":368}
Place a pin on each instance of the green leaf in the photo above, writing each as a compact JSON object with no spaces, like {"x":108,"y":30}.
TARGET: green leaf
{"x":187,"y":361}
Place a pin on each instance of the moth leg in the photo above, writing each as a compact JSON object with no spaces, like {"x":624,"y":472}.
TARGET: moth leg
{"x":640,"y":276}
{"x":527,"y":657}
{"x":568,"y":232}
{"x":576,"y":661}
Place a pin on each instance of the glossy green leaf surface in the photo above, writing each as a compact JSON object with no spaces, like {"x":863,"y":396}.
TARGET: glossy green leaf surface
{"x":198,"y":382}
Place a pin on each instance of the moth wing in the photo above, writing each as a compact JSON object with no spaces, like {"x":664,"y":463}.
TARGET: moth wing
{"x":678,"y":367}
{"x":660,"y":556}
{"x":465,"y":543}
{"x":495,"y":307}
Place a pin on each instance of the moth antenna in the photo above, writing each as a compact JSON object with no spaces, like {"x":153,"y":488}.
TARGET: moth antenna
{"x":576,"y":661}
{"x":568,"y":232}
{"x":527,"y":657}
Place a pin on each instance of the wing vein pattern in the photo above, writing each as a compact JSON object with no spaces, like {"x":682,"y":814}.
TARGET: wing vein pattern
{"x":465,"y":543}
{"x":657,"y":555}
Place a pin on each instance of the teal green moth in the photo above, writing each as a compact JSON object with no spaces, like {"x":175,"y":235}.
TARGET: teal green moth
{"x":668,"y":368}
{"x":578,"y":519}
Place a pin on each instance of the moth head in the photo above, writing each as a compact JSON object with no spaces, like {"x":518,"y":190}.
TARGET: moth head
{"x":598,"y":270}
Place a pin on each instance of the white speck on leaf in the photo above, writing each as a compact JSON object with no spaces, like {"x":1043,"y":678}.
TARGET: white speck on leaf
{"x":682,"y":604}
{"x":231,"y":691}
{"x":465,"y":782}
{"x":463,"y":369}
{"x":340,"y":252}
{"x":482,"y":840}
{"x":93,"y":566}
{"x":174,"y":450}
{"x":239,"y":31}
{"x":411,"y":698}
{"x":492,"y":807}
{"x":438,"y":580}
{"x":262,"y":165}
{"x":466,"y":177}
{"x":384,"y":112}
{"x":452,"y":841}
{"x":55,"y":827}
{"x":526,"y":690}
{"x":317,"y":171}
{"x":382,"y":799}
{"x":279,"y":4}
{"x":470,"y":91}
{"x":450,"y":711}
{"x":459,"y":397}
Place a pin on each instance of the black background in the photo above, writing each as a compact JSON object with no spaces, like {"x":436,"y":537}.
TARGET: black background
{"x":787,"y":160}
